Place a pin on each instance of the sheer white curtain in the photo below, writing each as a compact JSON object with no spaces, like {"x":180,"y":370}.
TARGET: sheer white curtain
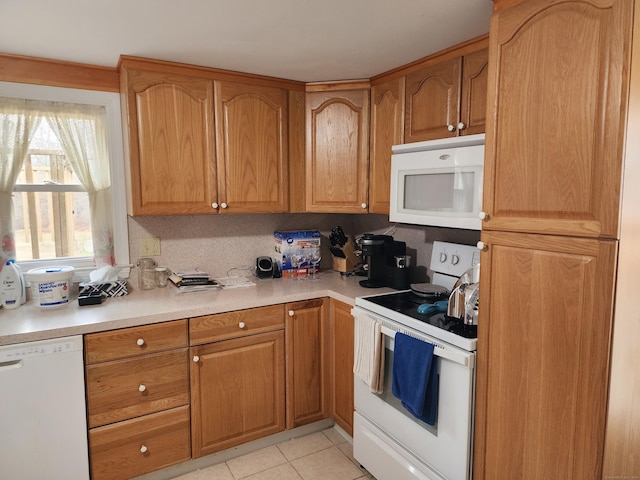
{"x":18,"y":122}
{"x":81,"y":130}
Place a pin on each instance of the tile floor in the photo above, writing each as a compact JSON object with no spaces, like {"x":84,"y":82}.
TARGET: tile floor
{"x":325,"y":455}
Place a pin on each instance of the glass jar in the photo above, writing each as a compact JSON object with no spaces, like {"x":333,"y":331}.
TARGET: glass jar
{"x":146,"y":273}
{"x":162,"y":275}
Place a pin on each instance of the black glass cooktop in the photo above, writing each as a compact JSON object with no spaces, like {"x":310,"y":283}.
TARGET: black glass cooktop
{"x":407,"y":303}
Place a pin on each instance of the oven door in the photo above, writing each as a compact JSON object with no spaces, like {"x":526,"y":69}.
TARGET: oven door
{"x":392,"y":443}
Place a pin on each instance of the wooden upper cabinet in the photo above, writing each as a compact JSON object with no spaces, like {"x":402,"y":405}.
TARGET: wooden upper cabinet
{"x":543,"y":356}
{"x":171,"y":143}
{"x":251,"y":128}
{"x":386,"y":129}
{"x":432,"y":101}
{"x":337,"y":151}
{"x":447,"y":99}
{"x":558,"y":86}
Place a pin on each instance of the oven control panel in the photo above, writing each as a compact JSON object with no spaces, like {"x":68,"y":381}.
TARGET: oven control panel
{"x":453,"y":258}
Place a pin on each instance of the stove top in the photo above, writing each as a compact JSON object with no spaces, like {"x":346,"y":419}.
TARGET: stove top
{"x":402,"y":307}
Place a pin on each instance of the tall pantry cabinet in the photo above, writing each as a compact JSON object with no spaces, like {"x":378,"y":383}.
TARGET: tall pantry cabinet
{"x":557,"y":97}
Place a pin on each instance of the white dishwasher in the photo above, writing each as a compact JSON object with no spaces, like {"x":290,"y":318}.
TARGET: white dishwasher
{"x":43,"y":429}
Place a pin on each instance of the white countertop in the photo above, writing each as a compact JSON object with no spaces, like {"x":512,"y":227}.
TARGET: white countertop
{"x":141,"y":307}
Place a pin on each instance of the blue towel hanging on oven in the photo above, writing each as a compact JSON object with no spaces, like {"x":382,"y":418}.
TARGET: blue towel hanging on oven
{"x":415,"y":377}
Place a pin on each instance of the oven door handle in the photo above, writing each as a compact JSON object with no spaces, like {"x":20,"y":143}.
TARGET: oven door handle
{"x":466,"y":360}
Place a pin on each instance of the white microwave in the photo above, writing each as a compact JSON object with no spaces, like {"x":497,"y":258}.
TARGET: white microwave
{"x":438,"y":182}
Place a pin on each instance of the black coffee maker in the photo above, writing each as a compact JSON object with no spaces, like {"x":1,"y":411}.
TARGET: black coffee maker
{"x":380,"y":252}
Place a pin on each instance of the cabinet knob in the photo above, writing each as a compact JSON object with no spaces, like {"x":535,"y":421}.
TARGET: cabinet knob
{"x":363,"y":205}
{"x":142,"y":388}
{"x":140,"y":342}
{"x":223,"y":205}
{"x":461,"y":126}
{"x":451,"y":128}
{"x":291,"y":313}
{"x":214,"y":205}
{"x":483,"y":216}
{"x":241,"y":325}
{"x":143,"y":449}
{"x":196,"y":358}
{"x":482,"y":246}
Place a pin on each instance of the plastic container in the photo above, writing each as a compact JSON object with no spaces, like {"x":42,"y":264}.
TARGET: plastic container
{"x":51,"y":287}
{"x":22,"y":281}
{"x":146,"y":273}
{"x":10,"y":286}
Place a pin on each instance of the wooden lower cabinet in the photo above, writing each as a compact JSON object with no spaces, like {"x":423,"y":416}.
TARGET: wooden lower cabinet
{"x":307,"y":354}
{"x":341,"y":353}
{"x":141,"y":445}
{"x":137,"y":399}
{"x":544,"y":336}
{"x":237,"y":391}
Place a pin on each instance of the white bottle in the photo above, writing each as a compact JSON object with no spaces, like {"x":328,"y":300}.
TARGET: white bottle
{"x":10,"y":286}
{"x":23,"y":283}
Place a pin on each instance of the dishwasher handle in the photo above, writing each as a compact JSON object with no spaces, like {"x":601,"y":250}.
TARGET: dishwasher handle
{"x":10,"y":365}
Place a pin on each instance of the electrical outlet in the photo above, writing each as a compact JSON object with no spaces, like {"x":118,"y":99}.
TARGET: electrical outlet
{"x":149,"y":247}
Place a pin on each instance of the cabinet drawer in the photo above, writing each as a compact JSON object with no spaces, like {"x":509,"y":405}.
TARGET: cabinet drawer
{"x":130,"y":388}
{"x":127,"y":342}
{"x":134,"y":447}
{"x":222,"y":326}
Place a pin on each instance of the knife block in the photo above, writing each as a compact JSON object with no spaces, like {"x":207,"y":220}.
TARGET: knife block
{"x":350,"y":260}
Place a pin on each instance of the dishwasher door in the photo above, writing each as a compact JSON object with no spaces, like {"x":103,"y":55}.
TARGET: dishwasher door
{"x":43,"y":429}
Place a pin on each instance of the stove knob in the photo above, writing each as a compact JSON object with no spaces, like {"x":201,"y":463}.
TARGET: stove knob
{"x":443,"y":257}
{"x":455,"y":259}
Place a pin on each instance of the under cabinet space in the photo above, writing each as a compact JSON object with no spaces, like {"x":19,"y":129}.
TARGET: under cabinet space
{"x":134,"y":447}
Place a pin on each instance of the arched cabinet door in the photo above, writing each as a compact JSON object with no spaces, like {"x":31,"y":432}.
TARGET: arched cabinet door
{"x":558,"y":86}
{"x":172,"y":167}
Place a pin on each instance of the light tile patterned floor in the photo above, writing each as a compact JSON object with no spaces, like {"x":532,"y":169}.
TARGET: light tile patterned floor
{"x":325,"y":455}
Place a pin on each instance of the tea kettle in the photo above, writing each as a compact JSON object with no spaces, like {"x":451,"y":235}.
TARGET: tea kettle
{"x":463,"y":301}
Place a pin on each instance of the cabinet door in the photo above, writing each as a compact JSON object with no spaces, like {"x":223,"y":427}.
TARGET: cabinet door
{"x":251,"y":125}
{"x":307,"y":354}
{"x":473,"y":100}
{"x":558,"y":82}
{"x":237,"y":391}
{"x":543,"y":356}
{"x":387,"y":129}
{"x":172,"y":167}
{"x":341,"y":341}
{"x":432,"y":100}
{"x":337,"y":151}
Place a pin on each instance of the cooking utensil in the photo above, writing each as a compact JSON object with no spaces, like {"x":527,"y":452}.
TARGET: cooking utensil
{"x":428,"y":290}
{"x":457,"y":307}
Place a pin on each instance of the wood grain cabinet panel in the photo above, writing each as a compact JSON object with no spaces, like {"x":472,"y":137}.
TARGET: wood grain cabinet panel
{"x":171,"y":167}
{"x":237,"y":391}
{"x":386,"y":130}
{"x":251,"y":126}
{"x":307,"y":357}
{"x":543,"y":356}
{"x":337,"y":152}
{"x":341,"y":327}
{"x":558,"y":79}
{"x":141,"y":445}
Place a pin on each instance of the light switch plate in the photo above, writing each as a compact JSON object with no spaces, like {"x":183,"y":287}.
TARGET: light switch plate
{"x":149,"y":247}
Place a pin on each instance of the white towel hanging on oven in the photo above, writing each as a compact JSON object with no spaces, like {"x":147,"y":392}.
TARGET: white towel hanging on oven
{"x":368,"y":357}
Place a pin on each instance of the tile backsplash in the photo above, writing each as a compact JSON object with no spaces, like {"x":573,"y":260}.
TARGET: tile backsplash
{"x":225,"y":245}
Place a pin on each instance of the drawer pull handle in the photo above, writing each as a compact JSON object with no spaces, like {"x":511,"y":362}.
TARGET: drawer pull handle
{"x":196,"y":358}
{"x":142,"y":388}
{"x":291,"y":313}
{"x":241,"y":325}
{"x":143,"y":449}
{"x":140,"y":342}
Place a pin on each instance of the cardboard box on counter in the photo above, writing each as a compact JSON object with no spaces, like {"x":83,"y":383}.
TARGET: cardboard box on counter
{"x":287,"y":243}
{"x":116,"y":288}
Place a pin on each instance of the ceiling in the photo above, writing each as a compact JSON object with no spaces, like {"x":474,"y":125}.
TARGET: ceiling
{"x":305,"y":40}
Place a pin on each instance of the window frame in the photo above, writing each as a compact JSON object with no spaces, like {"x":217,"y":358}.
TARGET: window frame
{"x":111,"y":101}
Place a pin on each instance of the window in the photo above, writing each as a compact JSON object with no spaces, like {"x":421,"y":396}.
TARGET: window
{"x":68,"y":195}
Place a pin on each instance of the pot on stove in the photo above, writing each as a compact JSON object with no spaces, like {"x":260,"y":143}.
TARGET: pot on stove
{"x":463,"y":301}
